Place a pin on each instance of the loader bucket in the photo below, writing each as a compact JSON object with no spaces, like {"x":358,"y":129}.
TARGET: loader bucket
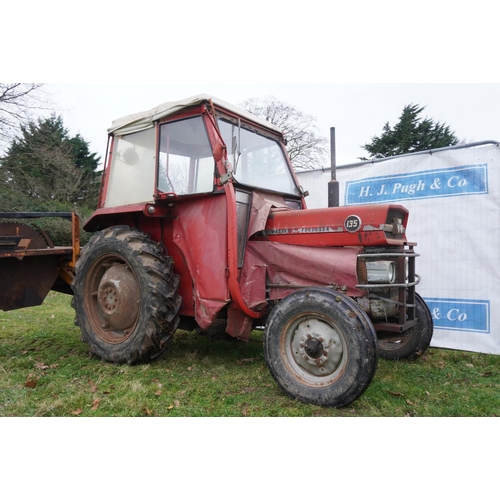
{"x":30,"y":265}
{"x":26,"y":282}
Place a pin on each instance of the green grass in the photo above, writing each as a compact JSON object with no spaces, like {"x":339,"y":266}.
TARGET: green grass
{"x":45,"y":370}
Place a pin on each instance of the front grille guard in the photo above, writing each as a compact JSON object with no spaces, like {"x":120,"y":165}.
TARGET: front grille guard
{"x":406,"y":282}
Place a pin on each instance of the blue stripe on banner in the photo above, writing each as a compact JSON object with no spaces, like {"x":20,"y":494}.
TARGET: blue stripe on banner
{"x":457,"y":181}
{"x":460,"y":314}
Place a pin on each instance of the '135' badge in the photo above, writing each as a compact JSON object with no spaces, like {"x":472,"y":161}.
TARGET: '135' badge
{"x":352,"y":224}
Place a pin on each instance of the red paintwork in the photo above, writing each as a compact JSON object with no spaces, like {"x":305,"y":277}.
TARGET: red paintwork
{"x":105,"y":217}
{"x":324,"y":227}
{"x":289,"y":267}
{"x":105,"y":176}
{"x":197,"y":241}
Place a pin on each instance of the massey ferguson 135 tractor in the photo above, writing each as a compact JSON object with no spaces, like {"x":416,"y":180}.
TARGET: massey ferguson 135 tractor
{"x":201,"y":220}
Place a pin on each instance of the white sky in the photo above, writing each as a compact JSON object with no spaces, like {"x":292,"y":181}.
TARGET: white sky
{"x":357,"y":111}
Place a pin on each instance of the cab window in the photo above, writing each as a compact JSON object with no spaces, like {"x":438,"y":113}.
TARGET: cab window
{"x":258,"y":160}
{"x":185,"y":162}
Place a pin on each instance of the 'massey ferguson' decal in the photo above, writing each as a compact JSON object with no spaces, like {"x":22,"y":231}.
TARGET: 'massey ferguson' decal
{"x":277,"y":231}
{"x":304,"y":230}
{"x":352,"y":224}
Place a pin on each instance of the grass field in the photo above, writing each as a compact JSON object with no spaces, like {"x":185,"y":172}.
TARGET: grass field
{"x":45,"y":370}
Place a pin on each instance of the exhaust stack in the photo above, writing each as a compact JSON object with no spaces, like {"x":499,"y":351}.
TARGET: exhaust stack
{"x":333,"y":185}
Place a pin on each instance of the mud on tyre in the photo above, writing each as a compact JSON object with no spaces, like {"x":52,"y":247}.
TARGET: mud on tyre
{"x":320,"y":347}
{"x":125,"y":296}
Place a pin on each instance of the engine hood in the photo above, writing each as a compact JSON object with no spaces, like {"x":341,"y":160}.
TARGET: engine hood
{"x":366,"y":225}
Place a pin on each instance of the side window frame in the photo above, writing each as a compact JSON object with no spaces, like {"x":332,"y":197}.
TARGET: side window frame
{"x":195,"y":169}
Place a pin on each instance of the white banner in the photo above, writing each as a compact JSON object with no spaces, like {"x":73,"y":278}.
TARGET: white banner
{"x":453,"y":196}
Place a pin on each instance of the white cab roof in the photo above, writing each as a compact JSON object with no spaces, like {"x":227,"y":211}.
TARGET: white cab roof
{"x":142,"y":121}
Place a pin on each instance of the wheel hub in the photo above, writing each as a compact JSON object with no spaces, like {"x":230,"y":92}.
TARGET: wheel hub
{"x":118,"y":297}
{"x":109,"y":299}
{"x":313,"y":348}
{"x":317,"y":347}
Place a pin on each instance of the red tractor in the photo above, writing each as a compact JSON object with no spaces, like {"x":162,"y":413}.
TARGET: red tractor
{"x":201,"y":221}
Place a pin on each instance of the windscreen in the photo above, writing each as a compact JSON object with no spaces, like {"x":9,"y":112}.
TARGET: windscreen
{"x":257,"y":160}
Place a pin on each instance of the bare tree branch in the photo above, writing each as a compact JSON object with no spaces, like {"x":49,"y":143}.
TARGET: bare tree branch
{"x":18,"y":101}
{"x":57,"y":179}
{"x":306,"y":149}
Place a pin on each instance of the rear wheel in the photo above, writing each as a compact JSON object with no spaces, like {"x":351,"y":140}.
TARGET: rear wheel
{"x":125,"y":296}
{"x":320,"y":347}
{"x":410,"y":344}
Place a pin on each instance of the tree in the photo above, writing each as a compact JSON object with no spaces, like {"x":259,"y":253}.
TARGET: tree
{"x":409,"y":135}
{"x":87,"y":163}
{"x":17,"y":101}
{"x":305,"y":147}
{"x":45,"y":163}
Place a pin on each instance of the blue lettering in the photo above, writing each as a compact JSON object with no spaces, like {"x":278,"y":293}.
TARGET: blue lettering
{"x":456,"y":181}
{"x":458,"y":314}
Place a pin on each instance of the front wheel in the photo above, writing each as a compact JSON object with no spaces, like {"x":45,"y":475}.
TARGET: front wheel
{"x":125,"y":296}
{"x":320,"y":347}
{"x":410,"y":344}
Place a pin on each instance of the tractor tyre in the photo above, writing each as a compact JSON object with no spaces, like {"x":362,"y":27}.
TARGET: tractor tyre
{"x":410,"y":344}
{"x":125,"y":296}
{"x":320,"y":347}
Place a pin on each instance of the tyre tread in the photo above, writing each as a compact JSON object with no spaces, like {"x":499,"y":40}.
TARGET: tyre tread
{"x":163,"y":302}
{"x":357,"y":329}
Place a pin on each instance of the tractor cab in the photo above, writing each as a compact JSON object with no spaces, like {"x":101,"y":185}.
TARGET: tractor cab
{"x":189,"y":148}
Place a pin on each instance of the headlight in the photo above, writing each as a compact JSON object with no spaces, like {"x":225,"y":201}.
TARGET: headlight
{"x":381,"y":271}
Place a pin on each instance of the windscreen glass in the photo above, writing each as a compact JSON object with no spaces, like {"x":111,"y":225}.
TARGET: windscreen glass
{"x":258,"y":160}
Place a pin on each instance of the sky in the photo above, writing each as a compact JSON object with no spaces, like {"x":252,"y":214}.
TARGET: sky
{"x":358,"y":111}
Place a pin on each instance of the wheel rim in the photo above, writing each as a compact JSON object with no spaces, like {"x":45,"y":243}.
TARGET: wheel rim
{"x":392,"y":342}
{"x":112,"y":299}
{"x":314,"y":350}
